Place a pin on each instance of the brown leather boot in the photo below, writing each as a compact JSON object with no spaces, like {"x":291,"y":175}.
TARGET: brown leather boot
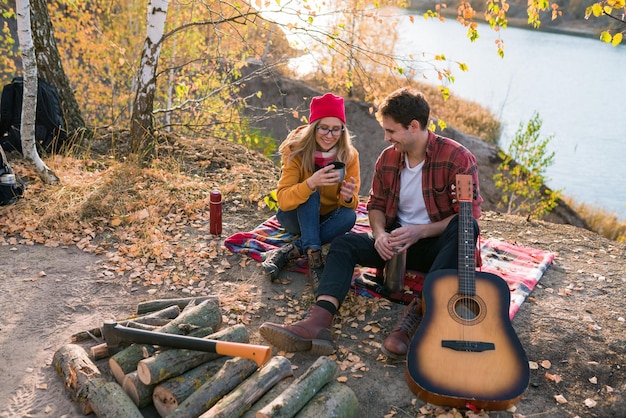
{"x":316,"y":267}
{"x":311,"y":334}
{"x":397,"y":343}
{"x":276,"y":260}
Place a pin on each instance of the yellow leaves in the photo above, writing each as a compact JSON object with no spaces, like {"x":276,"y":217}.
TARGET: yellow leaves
{"x":606,"y":37}
{"x":596,"y":9}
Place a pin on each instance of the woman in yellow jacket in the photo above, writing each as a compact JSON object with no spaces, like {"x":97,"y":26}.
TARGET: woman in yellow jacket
{"x":316,"y":201}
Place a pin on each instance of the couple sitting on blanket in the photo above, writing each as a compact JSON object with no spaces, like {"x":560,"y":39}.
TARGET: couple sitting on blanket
{"x":412,"y":207}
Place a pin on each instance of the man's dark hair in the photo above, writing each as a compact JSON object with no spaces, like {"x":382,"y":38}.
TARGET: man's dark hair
{"x":404,"y":105}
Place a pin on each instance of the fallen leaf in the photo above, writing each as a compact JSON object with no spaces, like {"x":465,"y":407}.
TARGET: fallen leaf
{"x":593,"y":380}
{"x":546,"y":364}
{"x":590,"y":403}
{"x":342,"y":379}
{"x":554,"y":377}
{"x":560,"y":399}
{"x":533,"y":365}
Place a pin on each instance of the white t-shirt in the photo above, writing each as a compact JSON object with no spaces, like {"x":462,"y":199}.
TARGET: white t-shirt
{"x":411,"y":207}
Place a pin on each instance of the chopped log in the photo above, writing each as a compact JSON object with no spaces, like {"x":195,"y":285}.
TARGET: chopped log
{"x":108,"y":399}
{"x":206,"y":314}
{"x":156,"y":319}
{"x":125,"y":361}
{"x":269,"y":396}
{"x":76,"y":369}
{"x":147,"y":327}
{"x":232,"y":373}
{"x":140,"y":394}
{"x":148,"y":350}
{"x":334,"y":400}
{"x":237,"y":402}
{"x":174,"y":362}
{"x":101,"y":351}
{"x":92,"y":334}
{"x":168,"y":395}
{"x":154,"y":305}
{"x":301,"y":391}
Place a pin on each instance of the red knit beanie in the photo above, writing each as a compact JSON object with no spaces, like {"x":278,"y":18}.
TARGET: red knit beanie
{"x":325,"y":106}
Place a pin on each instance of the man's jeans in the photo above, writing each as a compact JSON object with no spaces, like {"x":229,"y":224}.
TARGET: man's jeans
{"x":314,"y":229}
{"x":348,"y":250}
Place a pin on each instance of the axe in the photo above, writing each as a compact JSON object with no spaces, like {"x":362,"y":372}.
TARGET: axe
{"x":116,"y":335}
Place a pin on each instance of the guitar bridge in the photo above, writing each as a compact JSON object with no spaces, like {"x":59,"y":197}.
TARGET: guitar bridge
{"x":475,"y":346}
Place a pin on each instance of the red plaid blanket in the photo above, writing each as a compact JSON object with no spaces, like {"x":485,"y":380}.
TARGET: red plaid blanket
{"x":521,"y":267}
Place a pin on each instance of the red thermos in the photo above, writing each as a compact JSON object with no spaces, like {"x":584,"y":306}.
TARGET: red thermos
{"x":215,"y":203}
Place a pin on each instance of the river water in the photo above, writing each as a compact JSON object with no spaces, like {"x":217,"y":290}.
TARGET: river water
{"x":575,"y":84}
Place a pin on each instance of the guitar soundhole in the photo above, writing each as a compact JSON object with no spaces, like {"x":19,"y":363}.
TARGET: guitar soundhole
{"x":467,"y":309}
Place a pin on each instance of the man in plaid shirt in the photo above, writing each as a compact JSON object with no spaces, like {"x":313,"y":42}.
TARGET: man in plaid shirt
{"x":412,"y":207}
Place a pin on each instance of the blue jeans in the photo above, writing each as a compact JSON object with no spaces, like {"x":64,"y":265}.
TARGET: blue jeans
{"x":425,"y":255}
{"x":314,"y":229}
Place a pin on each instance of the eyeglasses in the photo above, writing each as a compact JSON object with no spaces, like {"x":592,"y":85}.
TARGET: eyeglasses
{"x":334,"y":131}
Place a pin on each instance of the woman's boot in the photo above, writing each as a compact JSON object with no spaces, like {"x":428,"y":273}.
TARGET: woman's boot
{"x":311,"y":334}
{"x":316,"y":267}
{"x":276,"y":260}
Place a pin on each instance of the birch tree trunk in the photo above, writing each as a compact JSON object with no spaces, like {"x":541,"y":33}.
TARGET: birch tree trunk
{"x":141,"y":120}
{"x":29,"y":101}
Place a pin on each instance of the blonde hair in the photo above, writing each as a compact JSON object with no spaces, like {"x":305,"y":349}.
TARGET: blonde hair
{"x":301,"y":141}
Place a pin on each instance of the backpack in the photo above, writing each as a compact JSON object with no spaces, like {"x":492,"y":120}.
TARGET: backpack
{"x":50,"y":134}
{"x":11,"y":186}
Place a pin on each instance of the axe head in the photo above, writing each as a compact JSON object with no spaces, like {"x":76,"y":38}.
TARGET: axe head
{"x":110,"y":334}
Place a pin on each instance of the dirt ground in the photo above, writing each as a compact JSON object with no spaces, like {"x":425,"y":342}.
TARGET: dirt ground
{"x":573,"y":325}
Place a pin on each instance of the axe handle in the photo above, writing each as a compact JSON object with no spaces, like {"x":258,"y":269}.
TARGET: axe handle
{"x":259,"y":353}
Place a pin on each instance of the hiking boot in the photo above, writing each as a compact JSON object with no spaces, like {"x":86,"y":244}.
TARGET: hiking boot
{"x":276,"y":260}
{"x":311,"y":334}
{"x":316,"y":267}
{"x":397,"y":343}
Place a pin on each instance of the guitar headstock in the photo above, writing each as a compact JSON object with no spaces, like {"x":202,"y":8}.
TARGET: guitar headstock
{"x":464,"y":187}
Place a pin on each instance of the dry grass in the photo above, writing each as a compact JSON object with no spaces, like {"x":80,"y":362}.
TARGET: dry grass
{"x":141,"y":217}
{"x":599,"y":220}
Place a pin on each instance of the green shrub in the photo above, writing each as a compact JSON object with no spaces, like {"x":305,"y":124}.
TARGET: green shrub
{"x":521,"y":174}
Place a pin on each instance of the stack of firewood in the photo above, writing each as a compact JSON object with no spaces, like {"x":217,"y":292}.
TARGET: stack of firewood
{"x":187,"y":383}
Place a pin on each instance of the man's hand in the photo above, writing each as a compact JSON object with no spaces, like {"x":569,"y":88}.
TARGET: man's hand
{"x":405,"y":236}
{"x":383,"y":246}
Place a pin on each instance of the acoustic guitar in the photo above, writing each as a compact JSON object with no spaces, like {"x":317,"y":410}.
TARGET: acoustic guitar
{"x":465,"y":351}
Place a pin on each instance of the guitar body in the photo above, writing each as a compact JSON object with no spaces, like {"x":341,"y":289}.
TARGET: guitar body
{"x":465,"y":349}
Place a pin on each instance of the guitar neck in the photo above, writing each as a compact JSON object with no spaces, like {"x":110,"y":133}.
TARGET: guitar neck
{"x":466,"y":260}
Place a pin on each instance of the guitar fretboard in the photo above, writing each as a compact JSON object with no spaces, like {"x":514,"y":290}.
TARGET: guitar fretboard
{"x":466,"y":261}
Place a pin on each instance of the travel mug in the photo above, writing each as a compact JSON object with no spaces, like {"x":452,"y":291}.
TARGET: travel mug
{"x":215,"y":212}
{"x":394,"y":272}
